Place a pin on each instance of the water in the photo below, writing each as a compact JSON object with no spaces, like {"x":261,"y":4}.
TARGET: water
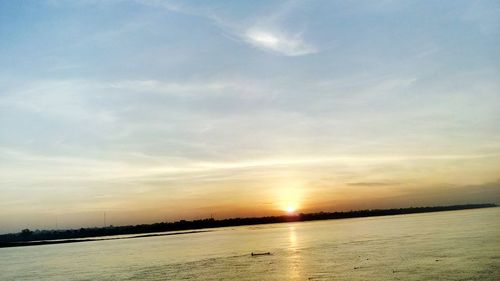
{"x":457,"y":245}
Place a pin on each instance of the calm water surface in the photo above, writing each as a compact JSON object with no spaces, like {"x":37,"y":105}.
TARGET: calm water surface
{"x":457,"y":245}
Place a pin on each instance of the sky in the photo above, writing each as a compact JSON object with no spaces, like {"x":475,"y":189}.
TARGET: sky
{"x":159,"y":110}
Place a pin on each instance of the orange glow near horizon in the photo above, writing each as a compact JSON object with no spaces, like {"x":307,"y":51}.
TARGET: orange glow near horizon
{"x":290,"y":198}
{"x":290,"y":209}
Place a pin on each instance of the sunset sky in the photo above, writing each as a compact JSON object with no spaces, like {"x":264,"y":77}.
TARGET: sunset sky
{"x":164,"y":110}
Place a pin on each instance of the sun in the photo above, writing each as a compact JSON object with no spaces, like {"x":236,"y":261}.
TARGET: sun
{"x":289,"y":199}
{"x":290,"y":209}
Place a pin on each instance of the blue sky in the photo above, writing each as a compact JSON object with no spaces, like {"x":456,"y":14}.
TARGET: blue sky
{"x":154,"y":110}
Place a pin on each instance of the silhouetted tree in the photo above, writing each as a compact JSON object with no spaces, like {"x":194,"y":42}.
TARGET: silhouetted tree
{"x":26,"y":232}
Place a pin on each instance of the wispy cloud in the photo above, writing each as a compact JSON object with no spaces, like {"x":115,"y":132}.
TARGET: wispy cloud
{"x":281,"y":43}
{"x":128,"y":167}
{"x":262,"y":32}
{"x":372,"y":183}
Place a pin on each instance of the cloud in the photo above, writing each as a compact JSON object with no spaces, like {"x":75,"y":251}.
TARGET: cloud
{"x":66,"y":99}
{"x":241,"y":88}
{"x":487,"y":192}
{"x":280,"y":43}
{"x":133,"y":166}
{"x":372,"y":183}
{"x":261,"y":32}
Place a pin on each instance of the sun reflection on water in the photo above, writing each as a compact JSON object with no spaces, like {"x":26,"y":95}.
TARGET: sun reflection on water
{"x":295,"y":271}
{"x":293,"y":238}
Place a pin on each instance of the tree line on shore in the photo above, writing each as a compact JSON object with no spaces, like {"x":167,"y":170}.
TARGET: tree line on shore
{"x":27,"y":236}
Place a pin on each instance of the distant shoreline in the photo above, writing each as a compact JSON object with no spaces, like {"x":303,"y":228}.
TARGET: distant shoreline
{"x":79,"y":240}
{"x":48,"y":237}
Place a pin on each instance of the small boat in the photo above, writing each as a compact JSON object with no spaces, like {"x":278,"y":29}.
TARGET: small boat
{"x":261,"y":254}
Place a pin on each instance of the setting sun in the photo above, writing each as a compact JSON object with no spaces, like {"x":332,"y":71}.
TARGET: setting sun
{"x":289,"y":198}
{"x":291,"y":209}
{"x":368,"y":129}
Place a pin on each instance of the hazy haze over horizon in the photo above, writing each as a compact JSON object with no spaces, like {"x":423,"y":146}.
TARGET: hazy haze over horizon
{"x":162,"y":110}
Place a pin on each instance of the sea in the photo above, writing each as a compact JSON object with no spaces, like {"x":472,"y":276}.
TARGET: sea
{"x":453,"y":245}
